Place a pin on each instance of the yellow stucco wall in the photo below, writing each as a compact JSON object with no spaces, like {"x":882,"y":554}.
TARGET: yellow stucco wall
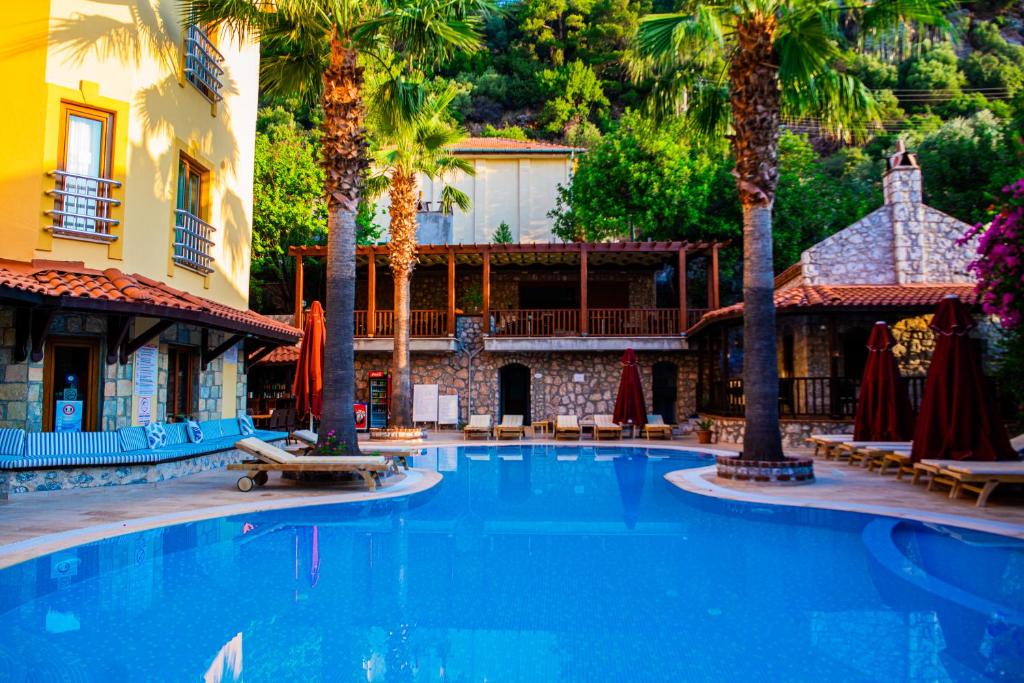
{"x":517,"y":189}
{"x":126,"y":57}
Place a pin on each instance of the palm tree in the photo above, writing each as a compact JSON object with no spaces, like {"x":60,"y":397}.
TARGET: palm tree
{"x":740,"y":67}
{"x":315,"y":49}
{"x":411,"y":142}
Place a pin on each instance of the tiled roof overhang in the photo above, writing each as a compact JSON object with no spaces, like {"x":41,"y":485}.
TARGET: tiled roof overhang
{"x":70,"y":286}
{"x":847,"y":298}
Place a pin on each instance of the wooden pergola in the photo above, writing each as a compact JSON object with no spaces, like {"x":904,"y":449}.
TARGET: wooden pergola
{"x":581,"y":255}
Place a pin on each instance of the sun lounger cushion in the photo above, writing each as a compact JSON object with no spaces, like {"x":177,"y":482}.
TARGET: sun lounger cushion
{"x":72,"y":443}
{"x":133,"y":438}
{"x":195,"y":432}
{"x":211,"y":429}
{"x":987,"y":468}
{"x":177,"y":433}
{"x":12,"y":442}
{"x":245,"y":426}
{"x":306,"y":435}
{"x":479,"y":422}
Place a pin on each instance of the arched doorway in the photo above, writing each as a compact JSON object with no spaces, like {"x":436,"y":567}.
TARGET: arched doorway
{"x":663,"y":379}
{"x":514,"y":391}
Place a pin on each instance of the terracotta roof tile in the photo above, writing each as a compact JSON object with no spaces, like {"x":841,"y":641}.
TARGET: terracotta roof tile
{"x":283,"y":354}
{"x":509,"y":146}
{"x":74,"y":282}
{"x":850,"y":296}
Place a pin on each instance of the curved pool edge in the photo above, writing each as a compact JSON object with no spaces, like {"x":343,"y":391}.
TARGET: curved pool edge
{"x":415,"y":481}
{"x":695,"y":481}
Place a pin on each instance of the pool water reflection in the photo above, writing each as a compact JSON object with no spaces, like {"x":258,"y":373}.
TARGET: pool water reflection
{"x":526,"y":563}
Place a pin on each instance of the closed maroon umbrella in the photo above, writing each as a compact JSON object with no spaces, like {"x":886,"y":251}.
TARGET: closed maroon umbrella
{"x":629,"y":404}
{"x":309,"y":368}
{"x":958,"y":419}
{"x":883,"y":407}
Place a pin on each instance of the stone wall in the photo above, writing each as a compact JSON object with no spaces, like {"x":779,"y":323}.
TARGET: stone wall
{"x":794,"y":432}
{"x":861,"y":253}
{"x":554,"y":391}
{"x":14,"y":377}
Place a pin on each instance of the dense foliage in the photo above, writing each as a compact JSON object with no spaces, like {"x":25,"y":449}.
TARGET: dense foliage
{"x":555,"y":70}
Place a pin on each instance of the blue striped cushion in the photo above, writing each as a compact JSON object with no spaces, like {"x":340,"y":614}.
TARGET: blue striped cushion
{"x":133,"y":438}
{"x":72,"y":443}
{"x":176,"y":433}
{"x":245,"y":426}
{"x":211,"y":429}
{"x":12,"y":441}
{"x":229,"y":426}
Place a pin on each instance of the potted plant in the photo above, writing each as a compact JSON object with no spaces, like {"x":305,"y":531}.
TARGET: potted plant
{"x":703,"y":429}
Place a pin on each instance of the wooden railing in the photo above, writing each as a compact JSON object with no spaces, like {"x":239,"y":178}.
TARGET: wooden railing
{"x":422,"y":323}
{"x":633,"y":322}
{"x":831,"y":397}
{"x":537,"y":322}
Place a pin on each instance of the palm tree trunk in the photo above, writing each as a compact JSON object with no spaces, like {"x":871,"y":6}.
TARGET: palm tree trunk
{"x":755,"y":110}
{"x":345,"y":161}
{"x":402,"y":248}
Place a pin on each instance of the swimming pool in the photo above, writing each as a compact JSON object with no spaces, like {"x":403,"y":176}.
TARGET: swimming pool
{"x":526,"y":563}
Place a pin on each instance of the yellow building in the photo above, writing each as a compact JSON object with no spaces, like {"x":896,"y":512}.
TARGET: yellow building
{"x":126,"y":171}
{"x":514,"y":182}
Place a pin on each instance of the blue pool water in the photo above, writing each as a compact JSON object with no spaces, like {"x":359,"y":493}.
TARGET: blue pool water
{"x":533,"y":563}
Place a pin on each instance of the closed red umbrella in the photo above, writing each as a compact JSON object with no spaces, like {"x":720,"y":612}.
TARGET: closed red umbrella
{"x":883,"y":406}
{"x":629,"y":404}
{"x":309,"y":368}
{"x":958,"y":419}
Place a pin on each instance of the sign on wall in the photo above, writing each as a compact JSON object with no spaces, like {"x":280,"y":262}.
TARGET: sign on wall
{"x":144,"y":375}
{"x":69,"y":416}
{"x":424,"y":403}
{"x":448,"y":409}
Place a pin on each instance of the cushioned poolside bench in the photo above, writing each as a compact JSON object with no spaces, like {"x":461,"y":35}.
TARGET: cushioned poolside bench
{"x":42,"y":460}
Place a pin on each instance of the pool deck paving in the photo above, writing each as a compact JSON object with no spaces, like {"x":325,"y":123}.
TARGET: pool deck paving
{"x":37,"y":523}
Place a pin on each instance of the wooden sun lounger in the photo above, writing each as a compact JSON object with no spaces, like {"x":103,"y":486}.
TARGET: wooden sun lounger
{"x":270,"y":458}
{"x":843,"y":450}
{"x":656,"y":427}
{"x":479,"y":425}
{"x":981,"y":478}
{"x":871,"y":455}
{"x":603,"y":426}
{"x":511,"y":427}
{"x":567,"y":427}
{"x":825,"y":441}
{"x":309,"y":439}
{"x":898,"y":458}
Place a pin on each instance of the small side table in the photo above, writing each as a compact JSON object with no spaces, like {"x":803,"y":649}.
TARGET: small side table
{"x":541,"y":427}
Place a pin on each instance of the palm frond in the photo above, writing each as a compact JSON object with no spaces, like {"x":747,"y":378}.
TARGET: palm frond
{"x":452,"y":196}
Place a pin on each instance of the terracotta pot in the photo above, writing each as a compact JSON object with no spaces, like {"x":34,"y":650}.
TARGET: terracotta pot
{"x":704,"y":436}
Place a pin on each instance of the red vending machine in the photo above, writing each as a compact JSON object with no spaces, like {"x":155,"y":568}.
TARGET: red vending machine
{"x":380,"y":398}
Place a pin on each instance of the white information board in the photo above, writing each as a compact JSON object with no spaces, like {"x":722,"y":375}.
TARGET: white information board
{"x":144,"y":373}
{"x":424,"y":403}
{"x":448,"y":409}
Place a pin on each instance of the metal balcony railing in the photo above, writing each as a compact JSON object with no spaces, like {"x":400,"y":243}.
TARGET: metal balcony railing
{"x":193,"y":242}
{"x":81,"y":206}
{"x":203,"y":64}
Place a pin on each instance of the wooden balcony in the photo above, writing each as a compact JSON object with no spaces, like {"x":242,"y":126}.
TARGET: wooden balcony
{"x":422,"y":323}
{"x":601,"y":322}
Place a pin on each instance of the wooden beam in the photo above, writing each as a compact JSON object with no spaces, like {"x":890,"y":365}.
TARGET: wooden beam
{"x":371,"y":295}
{"x":584,"y":314}
{"x":300,"y":285}
{"x":682,"y":291}
{"x":22,"y":333}
{"x":713,"y":300}
{"x":486,"y":287}
{"x":208,"y":355}
{"x":117,"y":332}
{"x":133,"y":345}
{"x":451,"y":292}
{"x":40,"y":328}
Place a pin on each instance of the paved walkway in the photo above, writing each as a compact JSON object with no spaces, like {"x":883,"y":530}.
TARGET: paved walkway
{"x":37,"y":523}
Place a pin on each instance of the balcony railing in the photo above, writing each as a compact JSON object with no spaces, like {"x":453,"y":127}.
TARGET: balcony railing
{"x":633,"y":322}
{"x":193,"y":242}
{"x":422,"y":323}
{"x":799,"y":397}
{"x":693,"y":315}
{"x":81,"y":206}
{"x":203,"y":64}
{"x":538,"y":322}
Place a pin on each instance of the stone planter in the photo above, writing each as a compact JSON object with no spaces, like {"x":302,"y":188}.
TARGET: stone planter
{"x":788,"y":471}
{"x":398,"y":434}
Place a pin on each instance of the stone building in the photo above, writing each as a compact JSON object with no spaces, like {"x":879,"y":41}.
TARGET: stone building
{"x":532,"y":329}
{"x":895,"y":264}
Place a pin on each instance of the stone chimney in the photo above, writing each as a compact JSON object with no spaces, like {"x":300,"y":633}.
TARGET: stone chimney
{"x":901,"y":183}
